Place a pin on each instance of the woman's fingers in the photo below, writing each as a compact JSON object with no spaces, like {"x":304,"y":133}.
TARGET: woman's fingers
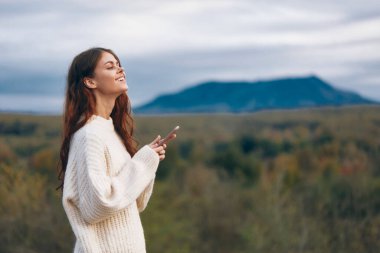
{"x":160,"y":150}
{"x":162,"y":147}
{"x":169,"y":138}
{"x":158,"y":138}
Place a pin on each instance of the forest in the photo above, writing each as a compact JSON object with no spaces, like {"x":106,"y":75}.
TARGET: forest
{"x":272,"y":181}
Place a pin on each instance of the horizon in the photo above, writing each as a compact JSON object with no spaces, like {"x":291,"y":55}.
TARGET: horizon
{"x":35,"y":108}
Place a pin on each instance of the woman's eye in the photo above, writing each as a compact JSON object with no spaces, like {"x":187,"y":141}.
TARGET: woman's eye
{"x":113,"y":67}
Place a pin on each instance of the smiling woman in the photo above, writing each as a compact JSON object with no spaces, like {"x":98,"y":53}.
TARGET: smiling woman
{"x":110,"y":76}
{"x":106,"y":182}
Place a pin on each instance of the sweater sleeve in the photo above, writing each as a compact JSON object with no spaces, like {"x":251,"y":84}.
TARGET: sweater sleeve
{"x":102,"y":195}
{"x":143,"y":199}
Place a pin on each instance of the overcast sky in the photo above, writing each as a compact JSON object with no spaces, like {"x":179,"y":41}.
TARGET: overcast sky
{"x":168,"y":45}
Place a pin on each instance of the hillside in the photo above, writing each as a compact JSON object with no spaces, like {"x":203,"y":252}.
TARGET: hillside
{"x":290,"y":93}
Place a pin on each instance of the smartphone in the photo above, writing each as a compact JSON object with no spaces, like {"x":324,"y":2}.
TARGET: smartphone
{"x":163,"y":141}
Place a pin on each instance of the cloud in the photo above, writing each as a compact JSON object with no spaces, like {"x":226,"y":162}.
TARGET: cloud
{"x":168,"y":45}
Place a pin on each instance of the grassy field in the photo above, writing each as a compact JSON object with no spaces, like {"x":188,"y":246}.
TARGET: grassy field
{"x":276,"y":181}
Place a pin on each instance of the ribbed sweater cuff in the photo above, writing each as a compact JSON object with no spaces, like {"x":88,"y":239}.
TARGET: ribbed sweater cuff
{"x":148,"y":157}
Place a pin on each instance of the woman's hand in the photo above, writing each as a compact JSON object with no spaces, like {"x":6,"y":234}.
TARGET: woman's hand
{"x":160,"y":150}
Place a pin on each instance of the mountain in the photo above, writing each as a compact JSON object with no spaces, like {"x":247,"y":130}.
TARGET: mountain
{"x":288,"y":93}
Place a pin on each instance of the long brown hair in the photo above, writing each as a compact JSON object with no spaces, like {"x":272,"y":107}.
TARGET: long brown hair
{"x":80,"y":104}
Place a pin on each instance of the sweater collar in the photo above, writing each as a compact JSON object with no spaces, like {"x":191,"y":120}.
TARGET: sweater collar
{"x":106,"y":123}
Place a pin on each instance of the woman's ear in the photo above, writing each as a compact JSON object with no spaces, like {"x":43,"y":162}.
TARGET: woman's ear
{"x":89,"y":83}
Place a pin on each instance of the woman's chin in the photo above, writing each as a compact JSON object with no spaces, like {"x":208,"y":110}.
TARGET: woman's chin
{"x":123,"y":88}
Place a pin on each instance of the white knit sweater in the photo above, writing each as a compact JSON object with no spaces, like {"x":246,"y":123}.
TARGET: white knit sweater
{"x":105,"y":189}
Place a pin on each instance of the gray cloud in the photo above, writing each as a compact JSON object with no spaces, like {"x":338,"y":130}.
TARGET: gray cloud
{"x":169,"y":45}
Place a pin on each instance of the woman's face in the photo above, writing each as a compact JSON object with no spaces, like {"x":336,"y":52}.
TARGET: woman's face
{"x":109,"y":77}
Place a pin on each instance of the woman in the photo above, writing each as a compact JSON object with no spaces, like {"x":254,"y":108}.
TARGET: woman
{"x":106,"y":182}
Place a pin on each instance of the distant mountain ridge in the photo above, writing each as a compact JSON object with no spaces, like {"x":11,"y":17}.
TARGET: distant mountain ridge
{"x":235,"y":97}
